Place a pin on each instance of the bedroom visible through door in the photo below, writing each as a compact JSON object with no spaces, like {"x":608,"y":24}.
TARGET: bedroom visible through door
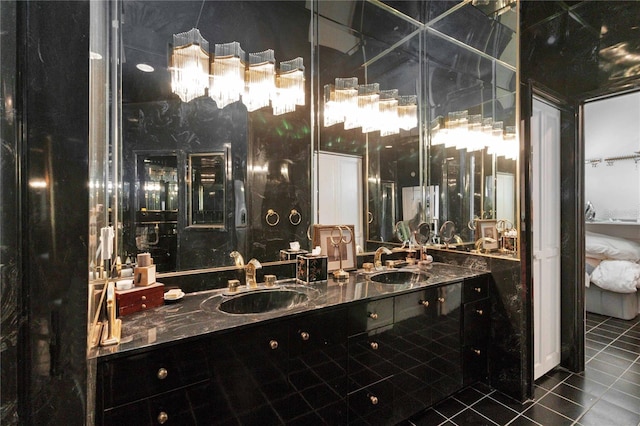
{"x":545,"y":160}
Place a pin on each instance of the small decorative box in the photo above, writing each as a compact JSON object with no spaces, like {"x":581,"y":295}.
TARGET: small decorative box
{"x":291,"y":254}
{"x":139,"y":298}
{"x":311,"y":268}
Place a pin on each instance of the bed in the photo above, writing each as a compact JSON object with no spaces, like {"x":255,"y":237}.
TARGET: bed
{"x":612,"y":276}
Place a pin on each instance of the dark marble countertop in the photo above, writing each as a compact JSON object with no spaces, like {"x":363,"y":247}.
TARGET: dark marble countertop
{"x":197,"y":313}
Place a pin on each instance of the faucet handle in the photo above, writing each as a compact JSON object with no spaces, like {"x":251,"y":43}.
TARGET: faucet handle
{"x":233,"y":285}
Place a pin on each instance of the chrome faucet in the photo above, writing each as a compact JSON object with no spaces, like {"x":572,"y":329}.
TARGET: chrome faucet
{"x":377,"y":257}
{"x":237,"y":257}
{"x":250,"y":273}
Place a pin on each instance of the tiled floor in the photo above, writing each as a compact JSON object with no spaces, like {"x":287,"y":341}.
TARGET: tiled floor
{"x":606,"y":394}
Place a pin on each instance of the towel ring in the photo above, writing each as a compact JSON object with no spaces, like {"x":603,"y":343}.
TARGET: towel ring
{"x":369,"y":217}
{"x":272,"y":214}
{"x":295,"y":214}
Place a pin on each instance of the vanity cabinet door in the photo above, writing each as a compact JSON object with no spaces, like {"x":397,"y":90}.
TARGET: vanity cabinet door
{"x":370,"y":315}
{"x":188,"y":406}
{"x":371,"y":357}
{"x":134,"y":377}
{"x":249,"y":380}
{"x":317,"y":366}
{"x":476,"y":324}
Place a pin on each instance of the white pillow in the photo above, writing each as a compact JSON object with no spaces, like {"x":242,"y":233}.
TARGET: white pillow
{"x":620,"y":276}
{"x":606,"y":247}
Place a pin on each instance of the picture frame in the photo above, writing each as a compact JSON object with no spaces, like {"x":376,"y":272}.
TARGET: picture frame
{"x":322,"y":238}
{"x":487,"y":228}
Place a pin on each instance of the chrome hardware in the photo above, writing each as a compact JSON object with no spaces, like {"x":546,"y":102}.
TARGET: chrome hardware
{"x":162,"y":373}
{"x":144,"y":306}
{"x":477,"y":289}
{"x":374,"y":346}
{"x":424,"y":303}
{"x":163,"y":417}
{"x":373,"y":399}
{"x":273,"y":344}
{"x":144,"y":298}
{"x":373,"y":315}
{"x":477,"y":351}
{"x":479,"y":311}
{"x":304,"y":335}
{"x":441,"y":299}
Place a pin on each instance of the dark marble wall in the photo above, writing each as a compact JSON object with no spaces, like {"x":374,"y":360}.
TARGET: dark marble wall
{"x":10,"y":241}
{"x":44,"y":227}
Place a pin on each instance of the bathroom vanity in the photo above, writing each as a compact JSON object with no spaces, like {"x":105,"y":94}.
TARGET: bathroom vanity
{"x":361,"y":352}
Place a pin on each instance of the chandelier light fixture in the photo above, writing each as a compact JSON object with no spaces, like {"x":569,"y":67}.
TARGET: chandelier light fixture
{"x":189,"y":65}
{"x":289,"y":87}
{"x":368,"y":107}
{"x":226,"y":82}
{"x":473,"y":133}
{"x":227,"y":77}
{"x":260,"y":80}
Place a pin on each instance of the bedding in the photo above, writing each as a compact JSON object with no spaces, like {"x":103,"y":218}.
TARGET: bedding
{"x":600,"y":246}
{"x":621,"y":276}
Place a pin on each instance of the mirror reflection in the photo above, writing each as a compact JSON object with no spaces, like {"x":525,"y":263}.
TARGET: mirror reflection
{"x":219,"y":169}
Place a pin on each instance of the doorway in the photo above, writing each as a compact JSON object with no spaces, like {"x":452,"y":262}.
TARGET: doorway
{"x":545,"y":160}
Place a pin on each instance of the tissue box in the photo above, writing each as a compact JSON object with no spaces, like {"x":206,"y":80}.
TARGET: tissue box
{"x":144,"y":275}
{"x":311,"y":268}
{"x":291,"y":254}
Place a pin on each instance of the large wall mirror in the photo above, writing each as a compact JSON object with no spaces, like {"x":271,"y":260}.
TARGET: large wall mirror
{"x":197,"y":174}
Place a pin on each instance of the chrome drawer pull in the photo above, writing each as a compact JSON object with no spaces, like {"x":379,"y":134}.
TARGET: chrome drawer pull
{"x":478,"y":289}
{"x":424,"y":303}
{"x":479,"y":311}
{"x":373,"y":315}
{"x":273,"y":344}
{"x":304,"y":335}
{"x":477,"y":351}
{"x":374,"y":400}
{"x":163,"y":417}
{"x":441,"y":299}
{"x":374,"y":346}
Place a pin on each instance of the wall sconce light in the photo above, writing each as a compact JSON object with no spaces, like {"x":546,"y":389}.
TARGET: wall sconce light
{"x":289,"y":87}
{"x":189,"y":65}
{"x":260,"y":80}
{"x":389,"y":120}
{"x":226,"y":82}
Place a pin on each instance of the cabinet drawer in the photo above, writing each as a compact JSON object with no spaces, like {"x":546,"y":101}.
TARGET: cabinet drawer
{"x":318,"y":332}
{"x":370,"y":315}
{"x":373,"y":404}
{"x":371,"y":358}
{"x":143,"y":375}
{"x":189,"y":406}
{"x":419,"y":304}
{"x":139,"y":299}
{"x":476,"y":322}
{"x":475,"y":289}
{"x":474,"y":364}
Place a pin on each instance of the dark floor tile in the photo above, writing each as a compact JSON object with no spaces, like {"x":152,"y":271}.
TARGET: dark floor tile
{"x":611,"y":335}
{"x":428,"y":418}
{"x":627,"y":387}
{"x":598,"y":376}
{"x":561,"y":405}
{"x":589,"y":386}
{"x":623,"y":400}
{"x":510,"y":402}
{"x":616,"y":328}
{"x":633,"y":348}
{"x":539,"y":392}
{"x":605,"y":413}
{"x":545,"y":416}
{"x":592,"y":344}
{"x":622,"y":323}
{"x":495,"y":411}
{"x":598,"y":338}
{"x":468,"y":396}
{"x":591,"y":316}
{"x":576,"y":395}
{"x":634,"y":368}
{"x":590,"y":353}
{"x":549,"y":381}
{"x":470,"y":417}
{"x":523,"y":421}
{"x":620,"y":353}
{"x":449,"y":407}
{"x":605,"y":367}
{"x":631,"y":376}
{"x":483,"y":388}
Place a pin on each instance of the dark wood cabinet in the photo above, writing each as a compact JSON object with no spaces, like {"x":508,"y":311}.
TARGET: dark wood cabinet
{"x":371,"y":362}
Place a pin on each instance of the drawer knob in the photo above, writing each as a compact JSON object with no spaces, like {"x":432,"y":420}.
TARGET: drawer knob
{"x":441,"y":299}
{"x":144,"y":298}
{"x":163,"y":417}
{"x":479,"y":311}
{"x":304,"y":335}
{"x":477,"y":351}
{"x":374,"y":346}
{"x":373,"y":315}
{"x":162,"y":373}
{"x":374,"y":400}
{"x":424,"y":303}
{"x":143,"y":306}
{"x":477,"y":289}
{"x":273,"y":344}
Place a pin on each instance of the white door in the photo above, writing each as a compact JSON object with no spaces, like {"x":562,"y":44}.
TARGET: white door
{"x":545,"y":141}
{"x":340,"y":192}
